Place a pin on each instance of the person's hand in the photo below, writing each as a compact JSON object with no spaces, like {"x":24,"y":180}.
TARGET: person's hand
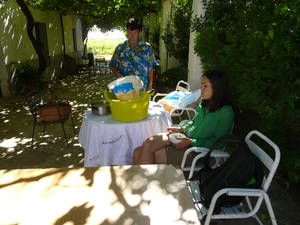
{"x":176,"y":129}
{"x":184,"y":143}
{"x":173,"y":130}
{"x":115,"y":71}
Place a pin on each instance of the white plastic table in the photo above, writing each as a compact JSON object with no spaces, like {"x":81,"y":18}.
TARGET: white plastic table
{"x":110,"y":142}
{"x":153,"y":195}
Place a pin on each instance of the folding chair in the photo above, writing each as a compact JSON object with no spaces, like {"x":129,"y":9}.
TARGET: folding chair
{"x":35,"y":104}
{"x":178,"y":112}
{"x":257,"y":196}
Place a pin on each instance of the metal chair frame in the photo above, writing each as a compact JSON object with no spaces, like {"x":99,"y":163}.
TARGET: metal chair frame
{"x":34,"y":101}
{"x":257,"y":195}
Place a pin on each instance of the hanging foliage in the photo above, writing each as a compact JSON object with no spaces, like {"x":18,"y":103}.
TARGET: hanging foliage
{"x":257,"y":43}
{"x":177,"y":36}
{"x":106,"y":14}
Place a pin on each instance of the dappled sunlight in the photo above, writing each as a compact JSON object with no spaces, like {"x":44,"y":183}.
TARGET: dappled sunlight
{"x":4,"y":111}
{"x":76,"y":144}
{"x":13,"y":142}
{"x":49,"y":147}
{"x":5,"y":22}
{"x":20,"y":40}
{"x":8,"y":146}
{"x":143,"y":189}
{"x":105,"y":195}
{"x":9,"y":14}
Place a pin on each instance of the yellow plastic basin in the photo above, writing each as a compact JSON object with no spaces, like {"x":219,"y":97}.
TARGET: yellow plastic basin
{"x":129,"y":110}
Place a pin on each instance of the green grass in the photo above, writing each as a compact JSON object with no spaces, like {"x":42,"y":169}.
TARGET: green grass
{"x":103,"y":46}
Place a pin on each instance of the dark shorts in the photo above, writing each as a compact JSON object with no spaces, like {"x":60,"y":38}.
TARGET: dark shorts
{"x":174,"y":155}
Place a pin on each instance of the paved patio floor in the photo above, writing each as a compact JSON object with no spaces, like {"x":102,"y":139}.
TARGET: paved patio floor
{"x":50,"y":149}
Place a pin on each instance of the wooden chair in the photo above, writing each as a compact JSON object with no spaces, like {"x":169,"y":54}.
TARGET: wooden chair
{"x":57,"y":113}
{"x":257,"y":196}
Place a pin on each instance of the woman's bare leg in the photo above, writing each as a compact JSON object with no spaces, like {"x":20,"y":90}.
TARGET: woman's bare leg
{"x":136,"y":155}
{"x":160,"y":157}
{"x":152,"y":145}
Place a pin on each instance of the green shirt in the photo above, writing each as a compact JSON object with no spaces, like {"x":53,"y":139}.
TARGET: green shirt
{"x":206,"y":127}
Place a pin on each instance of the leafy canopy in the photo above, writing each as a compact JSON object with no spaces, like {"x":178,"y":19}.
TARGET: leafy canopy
{"x":106,"y":14}
{"x":177,"y":36}
{"x":257,"y":43}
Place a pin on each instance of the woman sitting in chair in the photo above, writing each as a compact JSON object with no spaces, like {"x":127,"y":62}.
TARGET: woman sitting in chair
{"x":214,"y":118}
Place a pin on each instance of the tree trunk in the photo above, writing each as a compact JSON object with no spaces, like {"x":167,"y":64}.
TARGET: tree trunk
{"x":36,"y":44}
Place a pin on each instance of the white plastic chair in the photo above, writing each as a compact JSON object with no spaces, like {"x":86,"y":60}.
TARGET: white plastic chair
{"x":257,"y":195}
{"x":181,"y":86}
{"x":219,"y":156}
{"x":178,"y":112}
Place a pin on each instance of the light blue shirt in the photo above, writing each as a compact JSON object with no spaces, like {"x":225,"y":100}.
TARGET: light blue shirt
{"x":129,"y":61}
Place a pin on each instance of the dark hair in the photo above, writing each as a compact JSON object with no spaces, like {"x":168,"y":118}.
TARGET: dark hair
{"x":221,"y":90}
{"x":134,"y":23}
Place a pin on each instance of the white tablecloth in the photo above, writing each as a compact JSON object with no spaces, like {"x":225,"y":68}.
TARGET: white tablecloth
{"x":110,"y":142}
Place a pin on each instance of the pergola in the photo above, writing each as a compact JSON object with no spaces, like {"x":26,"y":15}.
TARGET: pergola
{"x":194,"y":62}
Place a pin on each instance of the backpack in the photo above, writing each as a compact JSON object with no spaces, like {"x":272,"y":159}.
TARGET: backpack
{"x":241,"y":170}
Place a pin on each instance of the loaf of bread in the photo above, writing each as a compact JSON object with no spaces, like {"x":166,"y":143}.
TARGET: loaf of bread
{"x":131,"y":95}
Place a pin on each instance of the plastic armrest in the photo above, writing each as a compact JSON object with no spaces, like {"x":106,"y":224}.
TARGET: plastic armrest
{"x":244,"y":192}
{"x":202,"y":151}
{"x":182,"y":88}
{"x":188,"y":151}
{"x":158,"y":95}
{"x":183,"y":121}
{"x":173,"y":112}
{"x":219,"y":154}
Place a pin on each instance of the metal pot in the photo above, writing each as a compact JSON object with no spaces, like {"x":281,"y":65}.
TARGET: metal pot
{"x":100,"y":108}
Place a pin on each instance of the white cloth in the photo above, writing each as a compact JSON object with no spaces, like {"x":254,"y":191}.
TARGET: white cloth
{"x":110,"y":142}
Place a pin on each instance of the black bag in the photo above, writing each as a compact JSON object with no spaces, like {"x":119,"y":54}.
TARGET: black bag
{"x":236,"y":172}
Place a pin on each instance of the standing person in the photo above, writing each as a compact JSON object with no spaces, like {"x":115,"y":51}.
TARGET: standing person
{"x":214,"y":118}
{"x":134,"y":56}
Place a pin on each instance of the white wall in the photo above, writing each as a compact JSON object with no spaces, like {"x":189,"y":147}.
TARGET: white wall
{"x":166,"y":8}
{"x":79,"y":41}
{"x":3,"y":75}
{"x":194,"y":64}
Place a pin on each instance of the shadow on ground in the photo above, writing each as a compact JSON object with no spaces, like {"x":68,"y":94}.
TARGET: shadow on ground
{"x":49,"y":149}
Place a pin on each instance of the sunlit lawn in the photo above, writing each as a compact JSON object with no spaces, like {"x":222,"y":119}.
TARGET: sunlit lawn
{"x":103,"y":46}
